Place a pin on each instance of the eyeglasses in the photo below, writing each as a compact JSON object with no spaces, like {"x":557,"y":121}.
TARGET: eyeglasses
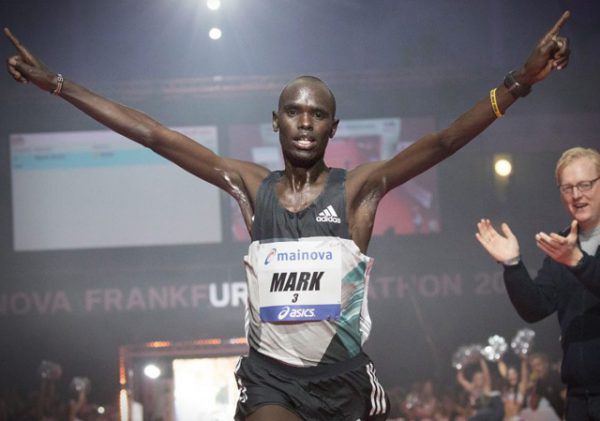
{"x":582,"y":186}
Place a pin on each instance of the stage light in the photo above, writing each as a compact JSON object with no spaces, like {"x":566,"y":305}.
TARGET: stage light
{"x":215,"y":33}
{"x":152,"y":371}
{"x":213,"y":4}
{"x":503,"y":167}
{"x":124,"y":405}
{"x":158,"y":344}
{"x":101,"y":410}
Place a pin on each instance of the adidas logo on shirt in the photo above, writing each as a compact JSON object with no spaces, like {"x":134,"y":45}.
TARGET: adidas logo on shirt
{"x":328,"y":215}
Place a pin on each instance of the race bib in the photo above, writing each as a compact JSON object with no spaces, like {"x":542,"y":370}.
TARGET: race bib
{"x":299,"y":281}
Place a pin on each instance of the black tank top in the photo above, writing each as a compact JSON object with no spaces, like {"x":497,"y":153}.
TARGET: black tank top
{"x":326,"y":216}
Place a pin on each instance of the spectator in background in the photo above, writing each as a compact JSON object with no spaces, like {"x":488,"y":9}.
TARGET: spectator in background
{"x":421,"y":403}
{"x":514,"y":387}
{"x":479,"y":384}
{"x":486,"y":404}
{"x":543,"y":392}
{"x":567,"y":284}
{"x":78,"y":406}
{"x":453,"y":406}
{"x":428,"y":401}
{"x":397,"y":412}
{"x":545,"y":382}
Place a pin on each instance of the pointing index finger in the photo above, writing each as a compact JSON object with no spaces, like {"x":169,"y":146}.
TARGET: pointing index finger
{"x":15,"y":41}
{"x":559,"y":24}
{"x":11,"y":37}
{"x":23,"y":52}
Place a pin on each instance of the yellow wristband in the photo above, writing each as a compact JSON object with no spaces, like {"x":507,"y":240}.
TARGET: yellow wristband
{"x":494,"y":103}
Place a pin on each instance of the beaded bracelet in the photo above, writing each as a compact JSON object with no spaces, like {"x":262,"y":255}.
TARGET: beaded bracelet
{"x":59,"y":84}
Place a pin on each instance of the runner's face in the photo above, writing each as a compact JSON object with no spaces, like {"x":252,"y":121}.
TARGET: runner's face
{"x":305,"y":122}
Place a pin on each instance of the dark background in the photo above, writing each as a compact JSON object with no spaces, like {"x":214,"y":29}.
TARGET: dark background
{"x":382,"y":58}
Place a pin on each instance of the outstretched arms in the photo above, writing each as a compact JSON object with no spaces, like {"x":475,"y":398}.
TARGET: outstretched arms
{"x":24,"y":67}
{"x":551,"y":52}
{"x":367,"y":184}
{"x":238,"y":178}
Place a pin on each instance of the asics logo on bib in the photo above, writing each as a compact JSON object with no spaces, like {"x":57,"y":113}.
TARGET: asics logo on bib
{"x":298,"y":255}
{"x":328,"y":215}
{"x":296,"y":313}
{"x":283,"y":313}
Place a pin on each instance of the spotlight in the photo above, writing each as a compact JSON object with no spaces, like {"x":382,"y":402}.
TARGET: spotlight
{"x":503,"y":167}
{"x":215,"y":33}
{"x":124,"y":405}
{"x":152,"y":371}
{"x":502,"y":172}
{"x":213,"y":4}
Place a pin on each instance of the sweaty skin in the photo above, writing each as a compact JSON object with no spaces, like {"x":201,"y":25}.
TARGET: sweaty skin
{"x":305,"y":120}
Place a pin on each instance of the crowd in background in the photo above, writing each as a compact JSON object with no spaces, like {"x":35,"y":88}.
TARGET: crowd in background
{"x":49,"y":402}
{"x":525,"y":390}
{"x":528,"y":390}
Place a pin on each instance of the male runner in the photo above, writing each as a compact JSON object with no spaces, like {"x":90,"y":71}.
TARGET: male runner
{"x":307,"y":315}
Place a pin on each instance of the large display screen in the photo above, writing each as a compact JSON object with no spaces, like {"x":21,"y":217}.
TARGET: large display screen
{"x":92,"y":189}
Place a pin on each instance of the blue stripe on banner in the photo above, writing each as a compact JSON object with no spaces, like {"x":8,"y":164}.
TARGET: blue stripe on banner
{"x":101,"y":159}
{"x":300,"y":313}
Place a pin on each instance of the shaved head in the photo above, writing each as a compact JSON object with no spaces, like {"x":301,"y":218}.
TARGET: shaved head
{"x":305,"y":80}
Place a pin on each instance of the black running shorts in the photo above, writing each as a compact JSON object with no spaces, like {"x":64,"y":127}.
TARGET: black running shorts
{"x":345,"y":391}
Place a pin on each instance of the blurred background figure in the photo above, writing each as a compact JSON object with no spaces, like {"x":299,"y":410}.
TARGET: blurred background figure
{"x":513,"y":387}
{"x":545,"y":391}
{"x":485,"y":403}
{"x":79,"y":408}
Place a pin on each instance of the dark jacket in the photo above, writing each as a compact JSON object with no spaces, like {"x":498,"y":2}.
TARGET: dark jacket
{"x":574,"y":293}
